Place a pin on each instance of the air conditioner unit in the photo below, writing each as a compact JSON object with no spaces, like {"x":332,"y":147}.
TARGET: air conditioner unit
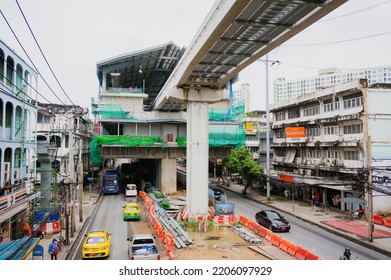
{"x":7,"y":166}
{"x":308,"y":172}
{"x":16,"y":174}
{"x":6,"y":176}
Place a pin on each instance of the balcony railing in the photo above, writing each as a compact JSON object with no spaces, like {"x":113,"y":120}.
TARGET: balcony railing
{"x":123,"y":90}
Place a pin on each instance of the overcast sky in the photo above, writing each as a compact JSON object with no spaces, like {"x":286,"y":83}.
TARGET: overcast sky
{"x":75,"y":34}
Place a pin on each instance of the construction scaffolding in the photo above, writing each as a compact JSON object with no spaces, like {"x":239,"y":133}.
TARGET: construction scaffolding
{"x":226,"y":129}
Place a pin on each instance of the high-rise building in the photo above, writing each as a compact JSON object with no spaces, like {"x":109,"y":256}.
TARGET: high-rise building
{"x":242,"y":94}
{"x":284,"y":90}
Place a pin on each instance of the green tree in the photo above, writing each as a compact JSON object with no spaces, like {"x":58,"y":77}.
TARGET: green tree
{"x":241,"y":162}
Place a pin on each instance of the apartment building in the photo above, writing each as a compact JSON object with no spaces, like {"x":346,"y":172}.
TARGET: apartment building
{"x":18,"y":145}
{"x":334,"y":144}
{"x":286,"y":89}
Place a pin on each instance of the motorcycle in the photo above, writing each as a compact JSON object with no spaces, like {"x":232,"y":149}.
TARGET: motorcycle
{"x":39,"y":234}
{"x":345,"y":259}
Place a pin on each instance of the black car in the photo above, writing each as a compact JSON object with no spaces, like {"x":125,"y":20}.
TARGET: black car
{"x":272,"y":220}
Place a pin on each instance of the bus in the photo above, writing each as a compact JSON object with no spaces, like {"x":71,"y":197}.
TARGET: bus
{"x":111,"y":181}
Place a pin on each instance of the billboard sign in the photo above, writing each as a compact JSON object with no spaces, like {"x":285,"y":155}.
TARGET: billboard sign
{"x":295,"y":134}
{"x":224,"y":208}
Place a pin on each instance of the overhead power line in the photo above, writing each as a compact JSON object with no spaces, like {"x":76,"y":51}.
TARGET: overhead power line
{"x":36,"y":69}
{"x":40,"y":49}
{"x":340,"y":41}
{"x":356,"y":12}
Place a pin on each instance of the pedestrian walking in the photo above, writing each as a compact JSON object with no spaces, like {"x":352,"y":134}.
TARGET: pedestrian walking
{"x":326,"y":207}
{"x":286,"y":193}
{"x":53,"y":249}
{"x":313,"y":202}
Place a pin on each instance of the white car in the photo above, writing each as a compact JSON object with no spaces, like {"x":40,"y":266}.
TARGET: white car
{"x":131,"y":190}
{"x":143,"y":247}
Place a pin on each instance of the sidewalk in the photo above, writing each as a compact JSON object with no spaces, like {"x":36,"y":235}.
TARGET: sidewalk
{"x":89,"y":203}
{"x":337,"y":221}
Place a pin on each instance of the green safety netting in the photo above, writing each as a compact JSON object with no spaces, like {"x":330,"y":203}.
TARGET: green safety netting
{"x":234,"y":114}
{"x":181,"y":141}
{"x":233,"y":136}
{"x":110,"y":111}
{"x":124,"y":140}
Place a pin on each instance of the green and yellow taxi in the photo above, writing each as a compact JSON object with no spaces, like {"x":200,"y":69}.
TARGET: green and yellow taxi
{"x":131,"y":211}
{"x":96,"y":245}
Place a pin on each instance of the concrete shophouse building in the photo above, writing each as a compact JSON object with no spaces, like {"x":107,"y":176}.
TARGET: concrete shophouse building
{"x":335,"y":144}
{"x":54,"y":125}
{"x":18,"y":145}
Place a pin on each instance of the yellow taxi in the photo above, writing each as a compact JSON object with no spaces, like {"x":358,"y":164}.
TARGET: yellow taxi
{"x":96,"y":245}
{"x":131,"y":211}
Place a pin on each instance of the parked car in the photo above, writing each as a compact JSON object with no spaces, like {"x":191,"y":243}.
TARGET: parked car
{"x":96,"y":245}
{"x":131,"y":211}
{"x":143,"y":247}
{"x":272,"y":220}
{"x":131,"y":190}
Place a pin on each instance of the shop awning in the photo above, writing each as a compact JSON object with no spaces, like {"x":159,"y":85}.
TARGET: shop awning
{"x":18,"y":249}
{"x":290,"y":156}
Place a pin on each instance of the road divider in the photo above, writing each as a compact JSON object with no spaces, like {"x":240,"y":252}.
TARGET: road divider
{"x":278,"y":241}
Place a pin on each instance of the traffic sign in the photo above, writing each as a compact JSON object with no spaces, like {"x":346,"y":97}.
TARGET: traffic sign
{"x":38,"y":252}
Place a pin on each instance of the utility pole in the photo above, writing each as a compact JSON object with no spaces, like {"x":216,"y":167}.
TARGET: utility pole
{"x":80,"y":177}
{"x":267,"y":132}
{"x":72,"y":174}
{"x":370,"y":198}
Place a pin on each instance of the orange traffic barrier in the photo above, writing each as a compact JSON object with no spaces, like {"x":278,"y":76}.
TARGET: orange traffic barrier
{"x":377,"y":219}
{"x":168,"y":239}
{"x":160,"y":232}
{"x":252,"y":225}
{"x":387,"y":222}
{"x":284,"y":244}
{"x":246,"y":222}
{"x":256,"y":229}
{"x":262,"y":231}
{"x":170,"y":255}
{"x":269,"y":235}
{"x":292,"y":249}
{"x":276,"y":240}
{"x":241,"y":219}
{"x":301,"y":253}
{"x":312,"y":256}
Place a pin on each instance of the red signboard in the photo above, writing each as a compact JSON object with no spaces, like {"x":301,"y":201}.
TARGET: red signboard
{"x":286,"y":178}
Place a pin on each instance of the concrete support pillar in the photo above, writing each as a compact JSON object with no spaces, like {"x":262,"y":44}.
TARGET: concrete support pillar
{"x":197,"y":155}
{"x":168,"y":175}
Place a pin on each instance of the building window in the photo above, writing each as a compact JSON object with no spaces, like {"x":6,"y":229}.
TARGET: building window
{"x":352,"y":101}
{"x":330,"y":105}
{"x":294,"y":113}
{"x":43,"y":118}
{"x":351,"y":155}
{"x":331,"y":130}
{"x":311,"y":110}
{"x":280,"y":133}
{"x":353,"y":128}
{"x":313,"y":131}
{"x":332,"y":154}
{"x":280,"y":116}
{"x":314,"y":154}
{"x":280,"y":152}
